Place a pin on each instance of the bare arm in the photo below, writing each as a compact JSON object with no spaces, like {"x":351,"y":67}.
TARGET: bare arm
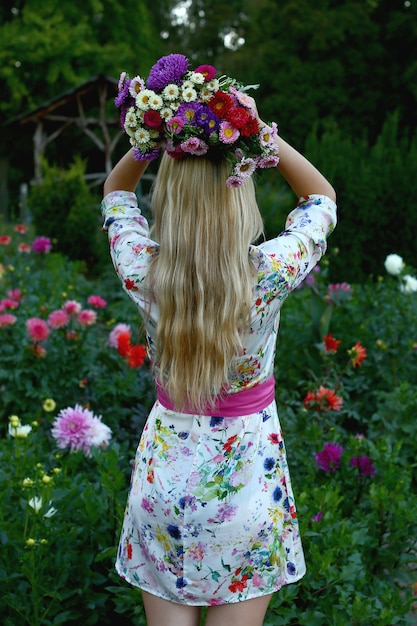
{"x":302,"y":176}
{"x":125,"y":175}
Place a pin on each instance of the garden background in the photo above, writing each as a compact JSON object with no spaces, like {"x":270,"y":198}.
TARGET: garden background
{"x":340,"y":79}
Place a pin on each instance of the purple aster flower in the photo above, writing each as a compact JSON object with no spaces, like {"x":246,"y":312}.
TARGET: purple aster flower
{"x":168,"y":69}
{"x":41,"y":245}
{"x":147,"y":156}
{"x":207,"y":120}
{"x":328,"y":459}
{"x":364,"y":465}
{"x":123,"y":94}
{"x":187,"y":111}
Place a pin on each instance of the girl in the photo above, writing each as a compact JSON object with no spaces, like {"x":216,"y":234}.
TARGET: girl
{"x":211,"y":518}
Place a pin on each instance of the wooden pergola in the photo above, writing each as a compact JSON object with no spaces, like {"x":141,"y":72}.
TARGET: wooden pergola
{"x":74,"y":108}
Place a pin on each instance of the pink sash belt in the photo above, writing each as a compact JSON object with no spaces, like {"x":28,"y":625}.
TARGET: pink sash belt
{"x":243,"y":402}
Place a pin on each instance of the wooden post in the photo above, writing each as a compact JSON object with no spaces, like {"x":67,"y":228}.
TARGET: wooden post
{"x":4,"y":192}
{"x":38,"y":150}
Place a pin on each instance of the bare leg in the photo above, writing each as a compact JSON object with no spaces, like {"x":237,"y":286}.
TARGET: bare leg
{"x":160,"y":612}
{"x":245,"y":613}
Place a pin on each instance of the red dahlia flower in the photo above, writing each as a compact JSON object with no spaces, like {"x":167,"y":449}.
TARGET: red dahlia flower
{"x":357,"y":354}
{"x":330,"y":343}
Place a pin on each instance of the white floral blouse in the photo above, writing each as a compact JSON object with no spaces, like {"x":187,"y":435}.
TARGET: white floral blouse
{"x":282,"y":264}
{"x":211,"y":516}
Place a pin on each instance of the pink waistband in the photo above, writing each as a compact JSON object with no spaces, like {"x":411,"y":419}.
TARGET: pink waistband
{"x":243,"y":402}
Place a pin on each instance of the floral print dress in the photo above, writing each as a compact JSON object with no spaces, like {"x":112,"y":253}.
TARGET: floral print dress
{"x":211,"y":517}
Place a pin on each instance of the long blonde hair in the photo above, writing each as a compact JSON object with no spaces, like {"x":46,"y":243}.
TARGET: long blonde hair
{"x":202,"y":277}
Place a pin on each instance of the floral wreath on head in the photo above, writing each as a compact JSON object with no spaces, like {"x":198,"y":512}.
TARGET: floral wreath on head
{"x":193,"y":113}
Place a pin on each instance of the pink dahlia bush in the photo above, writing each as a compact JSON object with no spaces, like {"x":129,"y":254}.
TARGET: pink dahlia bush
{"x":37,"y":329}
{"x":79,"y":429}
{"x":58,"y":319}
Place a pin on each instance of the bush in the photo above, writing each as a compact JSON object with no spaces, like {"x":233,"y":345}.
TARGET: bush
{"x":373,"y":184}
{"x":65,"y":210}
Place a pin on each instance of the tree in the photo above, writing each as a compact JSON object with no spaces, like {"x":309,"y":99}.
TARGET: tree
{"x":48,"y":47}
{"x":350,"y":61}
{"x":338,"y":59}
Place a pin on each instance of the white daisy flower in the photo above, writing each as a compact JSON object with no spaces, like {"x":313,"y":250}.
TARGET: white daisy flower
{"x":187,"y":84}
{"x":197,"y":78}
{"x":166,"y":113}
{"x":130,"y":131}
{"x":131,"y":119}
{"x":213,"y":85}
{"x":189,"y":95}
{"x":156,"y":102}
{"x":205,"y":94}
{"x":171,"y":92}
{"x":143,"y":99}
{"x":142,"y":136}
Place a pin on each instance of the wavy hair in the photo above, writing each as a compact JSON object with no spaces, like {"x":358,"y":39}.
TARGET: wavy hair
{"x":202,"y":277}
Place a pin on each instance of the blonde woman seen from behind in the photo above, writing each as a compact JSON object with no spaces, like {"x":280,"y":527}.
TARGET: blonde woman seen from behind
{"x":211,"y":517}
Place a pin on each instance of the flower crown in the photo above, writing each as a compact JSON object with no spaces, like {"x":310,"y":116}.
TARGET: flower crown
{"x":193,"y":113}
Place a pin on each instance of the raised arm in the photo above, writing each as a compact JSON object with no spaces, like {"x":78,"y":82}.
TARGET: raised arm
{"x":125,"y":175}
{"x":302,"y":176}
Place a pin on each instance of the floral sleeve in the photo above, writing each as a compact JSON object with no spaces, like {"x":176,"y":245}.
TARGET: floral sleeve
{"x":131,"y":249}
{"x":288,"y":258}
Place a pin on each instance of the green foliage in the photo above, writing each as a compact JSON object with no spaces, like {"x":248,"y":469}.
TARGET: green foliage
{"x":371,"y":183}
{"x":340,"y":61}
{"x":65,"y":210}
{"x":48,"y":47}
